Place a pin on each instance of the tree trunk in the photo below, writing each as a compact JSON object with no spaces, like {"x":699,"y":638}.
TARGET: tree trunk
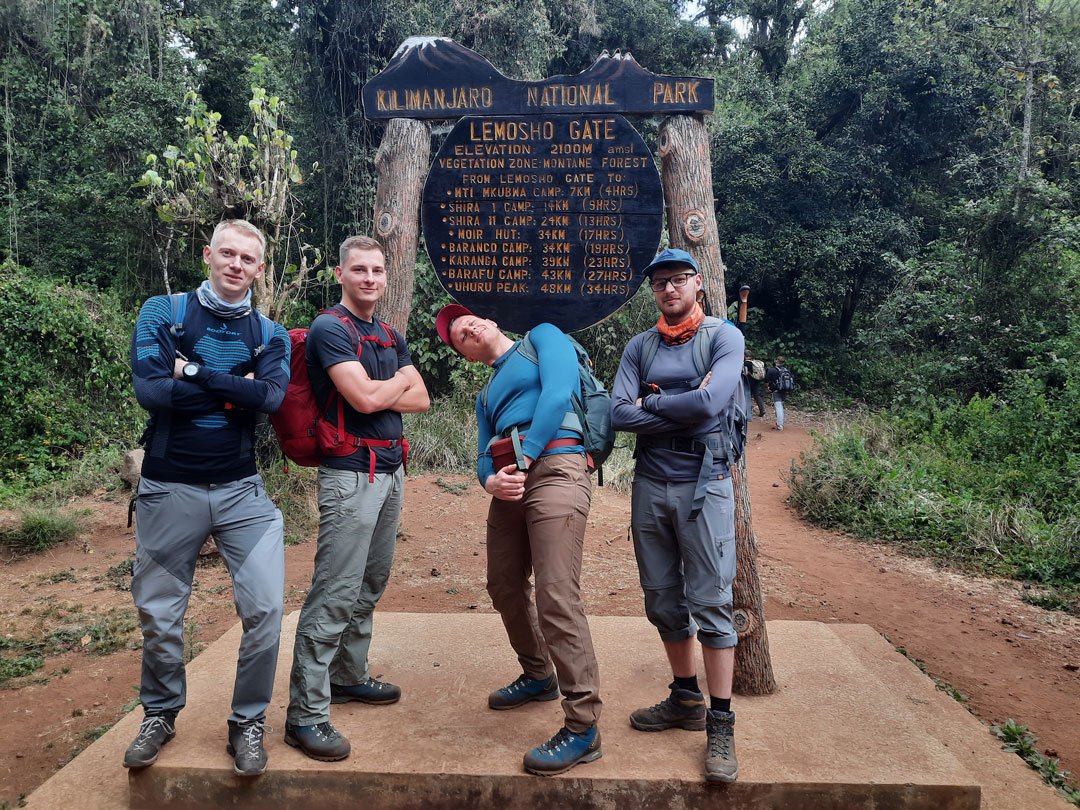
{"x":402,"y":164}
{"x":687,"y":174}
{"x":753,"y":666}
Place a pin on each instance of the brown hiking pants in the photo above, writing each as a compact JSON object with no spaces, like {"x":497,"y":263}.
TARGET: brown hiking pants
{"x":543,"y":534}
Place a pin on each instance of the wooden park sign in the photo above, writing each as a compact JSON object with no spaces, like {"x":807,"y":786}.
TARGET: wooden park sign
{"x":544,"y":203}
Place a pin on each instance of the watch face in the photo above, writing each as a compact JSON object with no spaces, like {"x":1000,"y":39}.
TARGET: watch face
{"x":191,"y":369}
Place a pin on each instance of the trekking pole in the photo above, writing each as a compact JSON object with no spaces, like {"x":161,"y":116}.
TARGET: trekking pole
{"x":744,"y":296}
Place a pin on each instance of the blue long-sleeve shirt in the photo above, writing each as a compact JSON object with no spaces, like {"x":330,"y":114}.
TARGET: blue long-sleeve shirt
{"x":681,"y":410}
{"x":523,"y":393}
{"x":209,"y":419}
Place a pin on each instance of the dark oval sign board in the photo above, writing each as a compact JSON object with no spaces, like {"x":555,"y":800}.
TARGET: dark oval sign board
{"x":542,"y":218}
{"x":435,"y":77}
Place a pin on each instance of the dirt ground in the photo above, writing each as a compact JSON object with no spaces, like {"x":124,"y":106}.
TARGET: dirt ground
{"x":1009,"y":659}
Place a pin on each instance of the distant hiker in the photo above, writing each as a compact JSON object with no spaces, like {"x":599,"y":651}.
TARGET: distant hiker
{"x":753,"y":373}
{"x":204,"y":363}
{"x":362,"y":373}
{"x":780,"y":381}
{"x":682,"y":507}
{"x":536,"y":523}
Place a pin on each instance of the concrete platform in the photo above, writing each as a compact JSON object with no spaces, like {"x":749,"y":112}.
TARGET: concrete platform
{"x":855,"y":725}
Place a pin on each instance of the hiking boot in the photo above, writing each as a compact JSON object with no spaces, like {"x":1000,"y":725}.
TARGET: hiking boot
{"x":522,"y":691}
{"x":154,"y":732}
{"x":246,"y":748}
{"x":369,"y":691}
{"x":720,"y":762}
{"x":681,"y":709}
{"x":563,"y":751}
{"x":321,"y":741}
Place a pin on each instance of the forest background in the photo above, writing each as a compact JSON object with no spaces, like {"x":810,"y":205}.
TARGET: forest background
{"x":896,"y":180}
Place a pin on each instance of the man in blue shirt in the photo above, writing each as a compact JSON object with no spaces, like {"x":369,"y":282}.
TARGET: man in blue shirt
{"x":682,"y":508}
{"x":203,"y":364}
{"x":536,"y":525}
{"x":364,"y":379}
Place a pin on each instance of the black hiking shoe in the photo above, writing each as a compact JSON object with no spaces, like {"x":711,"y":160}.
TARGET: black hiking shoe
{"x":524,"y":690}
{"x":720,"y":762}
{"x":321,"y":741}
{"x":246,"y":748}
{"x":369,"y":691}
{"x":681,"y":709}
{"x":154,"y":732}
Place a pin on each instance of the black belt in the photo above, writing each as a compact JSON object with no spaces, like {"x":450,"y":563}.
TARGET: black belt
{"x":710,"y":446}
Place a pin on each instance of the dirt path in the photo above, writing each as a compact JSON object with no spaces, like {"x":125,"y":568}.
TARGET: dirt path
{"x":1010,"y":659}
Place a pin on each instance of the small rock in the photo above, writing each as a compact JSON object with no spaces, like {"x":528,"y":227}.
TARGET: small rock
{"x":1072,"y":667}
{"x":882,"y":570}
{"x":434,"y":663}
{"x":775,"y":484}
{"x":435,"y":572}
{"x":470,"y":607}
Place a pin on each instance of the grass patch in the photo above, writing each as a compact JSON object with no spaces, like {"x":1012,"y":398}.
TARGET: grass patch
{"x":1054,"y":599}
{"x":57,"y":577}
{"x":879,"y":480}
{"x":1017,"y":739}
{"x":62,"y":627}
{"x":294,"y":492}
{"x":453,"y":487}
{"x":942,"y":685}
{"x":38,"y":529}
{"x":444,"y":438}
{"x":119,"y":575}
{"x":18,"y":666}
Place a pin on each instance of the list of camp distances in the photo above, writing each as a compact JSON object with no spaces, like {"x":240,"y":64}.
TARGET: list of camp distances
{"x":542,"y":218}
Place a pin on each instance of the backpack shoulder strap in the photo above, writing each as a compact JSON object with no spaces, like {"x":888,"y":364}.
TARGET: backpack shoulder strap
{"x":178,"y":304}
{"x":266,"y":331}
{"x":528,"y":351}
{"x":649,"y":346}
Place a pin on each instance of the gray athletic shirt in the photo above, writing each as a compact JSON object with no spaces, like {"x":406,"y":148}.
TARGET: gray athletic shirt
{"x":680,"y":411}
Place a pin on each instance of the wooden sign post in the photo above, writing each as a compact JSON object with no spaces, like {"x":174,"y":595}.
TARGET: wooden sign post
{"x":544,"y":204}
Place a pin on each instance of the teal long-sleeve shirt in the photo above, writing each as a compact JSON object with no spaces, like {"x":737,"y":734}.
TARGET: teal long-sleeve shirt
{"x":529,"y":395}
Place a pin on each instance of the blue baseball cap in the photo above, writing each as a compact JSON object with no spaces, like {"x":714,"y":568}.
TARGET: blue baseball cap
{"x":670,"y":256}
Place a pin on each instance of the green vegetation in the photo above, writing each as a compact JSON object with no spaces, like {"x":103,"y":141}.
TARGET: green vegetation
{"x":61,"y":627}
{"x":973,"y":485}
{"x":39,"y":529}
{"x":1018,"y":740}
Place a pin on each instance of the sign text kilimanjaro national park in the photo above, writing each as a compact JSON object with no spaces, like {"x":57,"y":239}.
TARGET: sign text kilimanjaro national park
{"x":544,"y":203}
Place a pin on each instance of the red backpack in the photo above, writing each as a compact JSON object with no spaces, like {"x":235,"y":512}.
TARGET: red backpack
{"x":303,"y":432}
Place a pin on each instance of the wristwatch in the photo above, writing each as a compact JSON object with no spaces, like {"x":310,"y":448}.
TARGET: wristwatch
{"x":190,"y":370}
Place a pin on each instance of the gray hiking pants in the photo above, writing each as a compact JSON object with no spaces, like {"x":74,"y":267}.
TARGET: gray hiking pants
{"x":173,"y":522}
{"x":358,"y":523}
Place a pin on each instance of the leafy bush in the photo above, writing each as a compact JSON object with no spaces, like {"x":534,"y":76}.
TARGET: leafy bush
{"x":990,"y":485}
{"x":65,"y":385}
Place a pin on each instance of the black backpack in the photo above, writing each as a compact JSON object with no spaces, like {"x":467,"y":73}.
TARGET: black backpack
{"x":786,"y":380}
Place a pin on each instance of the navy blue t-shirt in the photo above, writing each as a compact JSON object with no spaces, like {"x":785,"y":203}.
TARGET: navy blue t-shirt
{"x":331,"y":342}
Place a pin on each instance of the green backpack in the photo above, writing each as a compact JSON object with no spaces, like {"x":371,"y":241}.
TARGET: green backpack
{"x":590,"y":411}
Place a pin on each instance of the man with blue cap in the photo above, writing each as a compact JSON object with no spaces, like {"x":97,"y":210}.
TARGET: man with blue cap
{"x":678,"y":388}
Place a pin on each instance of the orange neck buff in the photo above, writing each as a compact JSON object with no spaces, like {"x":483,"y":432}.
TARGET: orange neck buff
{"x":681,"y":332}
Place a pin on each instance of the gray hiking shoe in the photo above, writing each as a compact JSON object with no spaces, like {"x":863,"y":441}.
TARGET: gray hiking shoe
{"x":246,"y":748}
{"x":320,"y":741}
{"x":681,"y":709}
{"x":720,"y":762}
{"x":154,"y":732}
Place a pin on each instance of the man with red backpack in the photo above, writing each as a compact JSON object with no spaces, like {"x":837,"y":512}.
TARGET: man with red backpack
{"x":363,"y":378}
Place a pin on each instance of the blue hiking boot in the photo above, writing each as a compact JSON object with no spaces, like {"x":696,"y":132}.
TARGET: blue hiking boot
{"x":563,"y":751}
{"x":523,"y":690}
{"x":369,"y":691}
